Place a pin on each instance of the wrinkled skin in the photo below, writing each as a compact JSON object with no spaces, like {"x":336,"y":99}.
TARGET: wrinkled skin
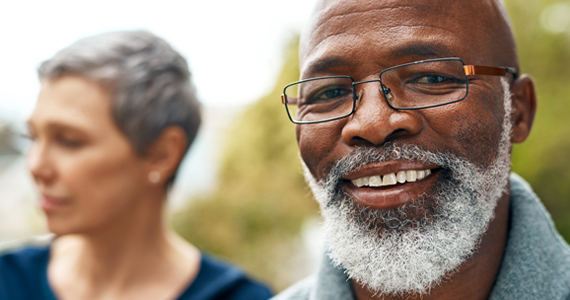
{"x":360,"y":39}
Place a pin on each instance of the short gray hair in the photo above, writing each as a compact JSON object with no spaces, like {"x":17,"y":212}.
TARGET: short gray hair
{"x":149,"y":82}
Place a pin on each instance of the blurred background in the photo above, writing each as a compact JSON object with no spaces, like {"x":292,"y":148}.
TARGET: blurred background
{"x":240,"y":194}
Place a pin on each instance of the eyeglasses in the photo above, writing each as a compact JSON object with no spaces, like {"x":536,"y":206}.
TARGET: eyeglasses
{"x":421,"y":84}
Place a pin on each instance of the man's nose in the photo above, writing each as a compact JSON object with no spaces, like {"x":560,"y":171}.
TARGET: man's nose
{"x":374,"y":122}
{"x":37,"y":162}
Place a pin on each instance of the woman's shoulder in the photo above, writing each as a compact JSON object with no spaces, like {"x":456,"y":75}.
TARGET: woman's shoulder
{"x":220,"y":280}
{"x":24,"y":253}
{"x":22,"y":268}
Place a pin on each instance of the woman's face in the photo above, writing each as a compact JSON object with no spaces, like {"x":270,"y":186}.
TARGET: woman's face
{"x":87,"y":172}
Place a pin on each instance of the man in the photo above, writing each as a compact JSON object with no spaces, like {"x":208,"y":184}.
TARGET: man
{"x":406,"y":112}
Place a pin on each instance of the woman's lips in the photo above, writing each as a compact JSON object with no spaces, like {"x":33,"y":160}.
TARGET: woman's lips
{"x":390,"y":186}
{"x":49,"y":203}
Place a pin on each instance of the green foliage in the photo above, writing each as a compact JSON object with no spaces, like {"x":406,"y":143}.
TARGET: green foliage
{"x":543,"y":158}
{"x":255,"y":217}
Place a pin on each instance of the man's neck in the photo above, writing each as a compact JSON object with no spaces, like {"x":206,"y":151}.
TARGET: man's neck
{"x":475,"y":278}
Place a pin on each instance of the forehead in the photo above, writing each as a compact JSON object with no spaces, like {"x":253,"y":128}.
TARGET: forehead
{"x":73,"y":101}
{"x":378,"y":34}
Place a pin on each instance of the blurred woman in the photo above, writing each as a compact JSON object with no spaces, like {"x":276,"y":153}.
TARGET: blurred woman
{"x":115,"y":115}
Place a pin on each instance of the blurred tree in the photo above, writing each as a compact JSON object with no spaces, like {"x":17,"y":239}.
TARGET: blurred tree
{"x":255,"y":217}
{"x":543,"y":41}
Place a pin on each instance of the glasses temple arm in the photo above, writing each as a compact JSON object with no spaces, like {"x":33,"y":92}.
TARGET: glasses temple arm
{"x":485,"y":70}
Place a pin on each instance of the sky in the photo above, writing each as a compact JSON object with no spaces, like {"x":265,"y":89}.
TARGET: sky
{"x":234,"y":48}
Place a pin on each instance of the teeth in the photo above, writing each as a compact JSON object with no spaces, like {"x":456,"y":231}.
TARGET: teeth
{"x":392,"y":178}
{"x":411,"y":176}
{"x":375,"y":181}
{"x":389,"y":179}
{"x":421,"y":174}
{"x":401,"y":177}
{"x":358,"y":182}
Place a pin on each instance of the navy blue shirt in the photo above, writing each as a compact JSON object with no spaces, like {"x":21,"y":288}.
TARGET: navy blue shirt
{"x":23,"y":276}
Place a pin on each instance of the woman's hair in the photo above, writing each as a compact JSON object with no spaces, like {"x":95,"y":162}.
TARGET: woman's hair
{"x":148,"y":80}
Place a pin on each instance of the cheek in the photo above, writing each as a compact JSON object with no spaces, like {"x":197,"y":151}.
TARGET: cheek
{"x":102,"y":186}
{"x":473,"y":126}
{"x":320,"y":146}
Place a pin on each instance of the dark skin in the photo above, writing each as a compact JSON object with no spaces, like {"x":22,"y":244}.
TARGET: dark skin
{"x":360,"y":39}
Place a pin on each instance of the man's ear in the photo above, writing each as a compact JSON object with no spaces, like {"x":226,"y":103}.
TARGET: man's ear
{"x":165,"y":154}
{"x":524,"y":108}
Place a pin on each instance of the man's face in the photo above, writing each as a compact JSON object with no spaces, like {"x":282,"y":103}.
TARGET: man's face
{"x":405,"y":237}
{"x":360,"y":39}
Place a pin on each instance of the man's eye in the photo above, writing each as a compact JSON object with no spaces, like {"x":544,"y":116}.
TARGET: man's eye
{"x":433,"y":79}
{"x":330,"y":95}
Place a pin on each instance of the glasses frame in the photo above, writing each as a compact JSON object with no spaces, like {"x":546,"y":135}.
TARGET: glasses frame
{"x":469,"y":70}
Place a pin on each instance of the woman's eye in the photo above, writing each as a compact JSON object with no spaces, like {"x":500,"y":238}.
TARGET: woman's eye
{"x":68,"y":142}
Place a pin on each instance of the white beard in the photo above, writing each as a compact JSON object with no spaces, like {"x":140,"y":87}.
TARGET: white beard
{"x":411,"y":249}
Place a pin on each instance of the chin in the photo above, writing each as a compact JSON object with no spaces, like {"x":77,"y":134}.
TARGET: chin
{"x":60,"y":229}
{"x":64,"y":225}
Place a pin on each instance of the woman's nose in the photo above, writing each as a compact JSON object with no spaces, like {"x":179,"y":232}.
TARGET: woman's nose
{"x":37,"y":162}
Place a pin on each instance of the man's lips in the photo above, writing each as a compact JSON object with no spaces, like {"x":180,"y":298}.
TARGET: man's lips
{"x":389,"y":185}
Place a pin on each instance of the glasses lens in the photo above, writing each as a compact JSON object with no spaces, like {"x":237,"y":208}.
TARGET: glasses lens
{"x":320,"y":99}
{"x":425,"y":84}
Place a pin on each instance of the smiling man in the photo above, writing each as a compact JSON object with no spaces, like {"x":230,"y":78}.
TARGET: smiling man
{"x":406,"y":112}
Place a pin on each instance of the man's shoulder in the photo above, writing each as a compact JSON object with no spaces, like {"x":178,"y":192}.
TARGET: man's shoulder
{"x":532,"y":228}
{"x":299,"y":291}
{"x":536,"y":261}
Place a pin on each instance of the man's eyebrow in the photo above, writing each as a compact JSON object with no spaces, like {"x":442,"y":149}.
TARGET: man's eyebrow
{"x":410,"y":52}
{"x":422,"y":51}
{"x":324,"y":65}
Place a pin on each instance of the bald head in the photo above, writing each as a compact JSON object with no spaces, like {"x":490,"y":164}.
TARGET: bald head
{"x":479,"y":31}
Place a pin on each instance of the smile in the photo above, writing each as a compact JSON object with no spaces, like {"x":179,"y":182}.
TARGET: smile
{"x":391,"y":178}
{"x":391,"y":184}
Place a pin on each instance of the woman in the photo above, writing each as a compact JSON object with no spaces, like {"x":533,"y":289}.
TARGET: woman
{"x":115,"y":115}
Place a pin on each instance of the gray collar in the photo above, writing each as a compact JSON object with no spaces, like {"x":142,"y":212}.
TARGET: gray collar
{"x":536,"y":262}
